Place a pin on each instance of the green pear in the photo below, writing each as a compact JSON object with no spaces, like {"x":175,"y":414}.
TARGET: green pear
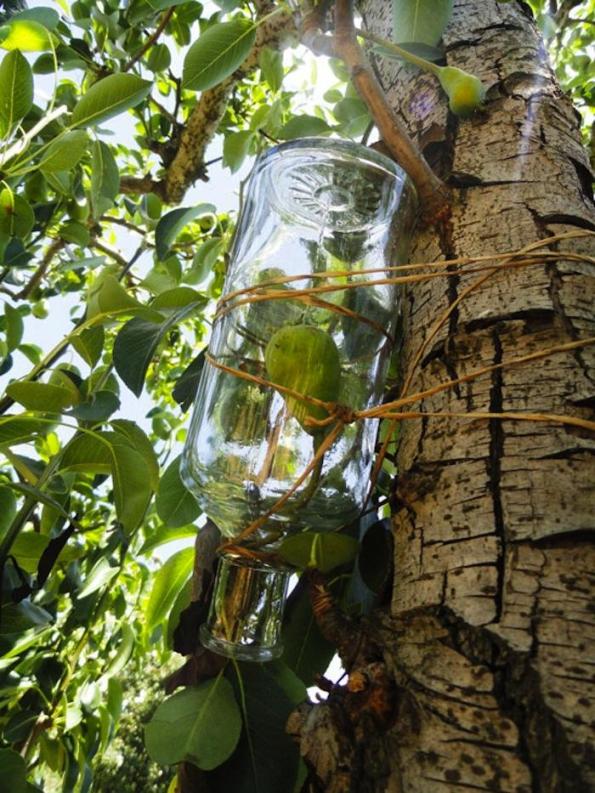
{"x":305,"y":359}
{"x":465,"y":91}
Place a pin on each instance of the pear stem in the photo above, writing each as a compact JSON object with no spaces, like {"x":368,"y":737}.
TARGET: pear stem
{"x":424,"y":64}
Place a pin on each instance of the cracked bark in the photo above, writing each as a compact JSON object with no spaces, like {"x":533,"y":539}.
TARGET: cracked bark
{"x":490,"y":639}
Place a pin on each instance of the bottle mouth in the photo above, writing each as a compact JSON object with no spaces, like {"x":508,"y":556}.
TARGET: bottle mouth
{"x":246,"y":611}
{"x":335,"y":184}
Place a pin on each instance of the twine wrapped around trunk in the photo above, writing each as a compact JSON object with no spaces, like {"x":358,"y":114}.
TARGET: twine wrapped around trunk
{"x":486,"y":266}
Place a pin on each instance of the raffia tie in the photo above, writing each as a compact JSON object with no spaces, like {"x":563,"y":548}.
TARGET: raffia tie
{"x":340,"y":415}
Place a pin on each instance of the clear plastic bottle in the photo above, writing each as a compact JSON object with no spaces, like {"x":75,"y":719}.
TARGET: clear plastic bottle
{"x":312,"y":208}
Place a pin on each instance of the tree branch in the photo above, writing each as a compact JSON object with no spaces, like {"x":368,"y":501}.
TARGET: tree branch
{"x":133,"y":185}
{"x":432,"y":192}
{"x":206,"y":116}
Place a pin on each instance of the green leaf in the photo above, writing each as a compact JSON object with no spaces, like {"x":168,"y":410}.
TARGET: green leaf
{"x":172,"y":223}
{"x":124,"y":651}
{"x":112,"y":452}
{"x":27,"y":549}
{"x":25,"y":35}
{"x":321,"y":550}
{"x":105,"y":178}
{"x":13,"y":771}
{"x":136,"y":343}
{"x":20,"y":617}
{"x":14,"y":326}
{"x":271,"y":66}
{"x":19,"y":429}
{"x":109,"y":97}
{"x":89,"y":344}
{"x":16,"y":89}
{"x":101,"y":573}
{"x":204,"y":260}
{"x":267,"y":760}
{"x":200,"y":725}
{"x":75,"y":232}
{"x":305,"y":650}
{"x":144,"y":9}
{"x":420,"y":20}
{"x":16,"y":216}
{"x":43,"y":15}
{"x":185,"y":388}
{"x":107,"y":297}
{"x":64,"y":152}
{"x":98,"y":407}
{"x":43,"y":498}
{"x":219,"y":51}
{"x":138,"y":439}
{"x":235,"y":149}
{"x":159,"y":58}
{"x":165,"y":534}
{"x":175,"y":505}
{"x":43,"y":397}
{"x":166,"y":586}
{"x":303,"y":126}
{"x":353,"y":115}
{"x":8,"y":508}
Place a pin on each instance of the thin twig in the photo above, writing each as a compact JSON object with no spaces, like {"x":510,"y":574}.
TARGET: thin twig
{"x":167,"y":15}
{"x":54,"y":248}
{"x":432,"y":192}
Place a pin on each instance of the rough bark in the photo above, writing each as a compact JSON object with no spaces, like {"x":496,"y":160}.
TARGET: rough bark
{"x":491,"y":634}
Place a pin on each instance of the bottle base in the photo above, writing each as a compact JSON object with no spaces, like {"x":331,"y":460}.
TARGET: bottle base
{"x":240,"y":652}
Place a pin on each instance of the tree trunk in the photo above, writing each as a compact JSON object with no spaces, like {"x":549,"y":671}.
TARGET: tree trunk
{"x":489,"y":644}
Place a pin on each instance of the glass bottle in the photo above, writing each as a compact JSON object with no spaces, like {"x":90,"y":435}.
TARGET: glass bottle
{"x":312,"y":208}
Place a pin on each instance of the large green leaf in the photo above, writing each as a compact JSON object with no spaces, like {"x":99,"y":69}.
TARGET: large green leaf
{"x":420,"y":21}
{"x":105,"y":178}
{"x":43,"y":15}
{"x":112,"y":452}
{"x":200,"y":725}
{"x":25,"y":35}
{"x":175,"y":505}
{"x":220,"y":50}
{"x":266,"y":760}
{"x":108,"y":298}
{"x":109,"y":97}
{"x":138,"y":439}
{"x":166,"y":585}
{"x":172,"y":223}
{"x":65,"y":152}
{"x":137,"y":341}
{"x":16,"y":89}
{"x":43,"y":397}
{"x":19,"y":429}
